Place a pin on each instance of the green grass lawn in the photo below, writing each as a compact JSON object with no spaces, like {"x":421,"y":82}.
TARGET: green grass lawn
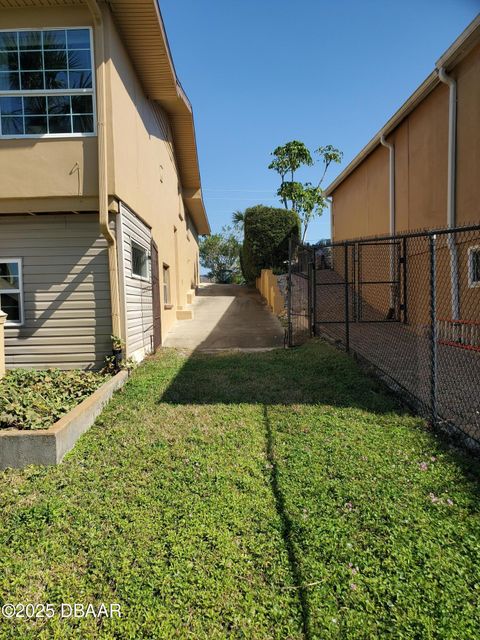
{"x":266,"y":495}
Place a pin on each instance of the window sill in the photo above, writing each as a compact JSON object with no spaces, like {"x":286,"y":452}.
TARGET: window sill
{"x":49,"y":136}
{"x":167,"y":307}
{"x":141,"y":278}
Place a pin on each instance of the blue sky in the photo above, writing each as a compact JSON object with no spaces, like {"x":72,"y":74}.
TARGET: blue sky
{"x":262,"y":72}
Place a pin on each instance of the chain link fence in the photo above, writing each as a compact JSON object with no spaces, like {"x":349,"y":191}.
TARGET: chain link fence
{"x":409,"y":305}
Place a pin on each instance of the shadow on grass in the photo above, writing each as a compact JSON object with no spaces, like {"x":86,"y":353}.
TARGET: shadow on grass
{"x":314,"y":374}
{"x":287,"y":528}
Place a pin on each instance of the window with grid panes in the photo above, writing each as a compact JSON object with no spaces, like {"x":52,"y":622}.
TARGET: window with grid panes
{"x":46,"y":83}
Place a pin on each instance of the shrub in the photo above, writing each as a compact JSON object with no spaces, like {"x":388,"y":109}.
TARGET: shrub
{"x":267,"y":231}
{"x":32,"y":399}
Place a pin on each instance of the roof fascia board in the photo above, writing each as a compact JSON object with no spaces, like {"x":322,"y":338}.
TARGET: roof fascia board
{"x":452,"y":56}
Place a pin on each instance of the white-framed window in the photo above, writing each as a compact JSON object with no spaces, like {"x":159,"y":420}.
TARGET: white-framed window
{"x":11,"y":290}
{"x":47,"y":85}
{"x":474,"y":266}
{"x":167,"y":298}
{"x":139,"y":261}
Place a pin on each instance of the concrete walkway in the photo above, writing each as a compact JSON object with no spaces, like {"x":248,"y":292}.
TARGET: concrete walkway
{"x":227,"y":317}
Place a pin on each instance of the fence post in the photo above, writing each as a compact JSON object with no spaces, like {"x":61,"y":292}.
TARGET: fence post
{"x":3,"y":317}
{"x":405,"y":288}
{"x":289,"y":295}
{"x":433,"y":331}
{"x":314,"y":293}
{"x":310,"y":297}
{"x":347,"y":303}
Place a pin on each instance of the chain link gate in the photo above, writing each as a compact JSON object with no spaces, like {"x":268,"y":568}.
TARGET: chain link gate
{"x":340,"y":284}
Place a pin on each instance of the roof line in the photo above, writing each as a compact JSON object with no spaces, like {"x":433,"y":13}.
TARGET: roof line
{"x":458,"y":50}
{"x":180,"y":89}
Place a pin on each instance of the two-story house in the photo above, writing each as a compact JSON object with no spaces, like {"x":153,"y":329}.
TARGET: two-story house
{"x":100,"y":196}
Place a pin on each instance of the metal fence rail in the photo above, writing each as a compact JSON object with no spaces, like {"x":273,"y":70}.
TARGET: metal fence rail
{"x":409,"y":305}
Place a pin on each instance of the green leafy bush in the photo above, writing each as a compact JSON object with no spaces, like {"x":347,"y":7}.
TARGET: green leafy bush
{"x":267,"y":231}
{"x":32,"y":399}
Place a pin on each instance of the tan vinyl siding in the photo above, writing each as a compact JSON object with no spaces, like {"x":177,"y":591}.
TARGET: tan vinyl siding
{"x":138,"y":292}
{"x":65,"y":289}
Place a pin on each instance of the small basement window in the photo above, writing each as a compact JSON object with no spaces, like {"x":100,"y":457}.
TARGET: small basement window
{"x":139,"y":261}
{"x":167,"y":301}
{"x":474,"y":266}
{"x":11,"y":295}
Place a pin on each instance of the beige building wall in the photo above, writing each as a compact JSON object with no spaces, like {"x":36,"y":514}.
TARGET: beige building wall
{"x":467,"y":73}
{"x":361,"y":206}
{"x":360,"y":202}
{"x":58,"y":168}
{"x":143,"y":173}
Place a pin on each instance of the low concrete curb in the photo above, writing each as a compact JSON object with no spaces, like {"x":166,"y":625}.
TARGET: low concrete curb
{"x":19,"y":448}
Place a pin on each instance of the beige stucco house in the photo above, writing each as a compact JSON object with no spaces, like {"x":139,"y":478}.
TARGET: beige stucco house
{"x":421,"y":171}
{"x":406,"y":164}
{"x":100,"y":196}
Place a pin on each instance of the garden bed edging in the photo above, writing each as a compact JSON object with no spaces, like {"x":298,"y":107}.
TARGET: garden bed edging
{"x":21,"y":447}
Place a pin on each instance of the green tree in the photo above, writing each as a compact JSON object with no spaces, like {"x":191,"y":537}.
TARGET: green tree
{"x":220,"y":254}
{"x":238,"y":219}
{"x":267,"y":232}
{"x":304,"y":198}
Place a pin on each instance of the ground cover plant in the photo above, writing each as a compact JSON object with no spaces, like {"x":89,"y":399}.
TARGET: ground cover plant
{"x":264,"y":495}
{"x":32,"y":399}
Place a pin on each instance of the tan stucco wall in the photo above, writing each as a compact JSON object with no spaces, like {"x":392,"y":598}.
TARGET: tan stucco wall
{"x":468,"y":138}
{"x":360,"y":202}
{"x":365,"y":199}
{"x":50,"y":168}
{"x":143,"y":173}
{"x":361,"y":207}
{"x":63,"y":173}
{"x":267,"y":284}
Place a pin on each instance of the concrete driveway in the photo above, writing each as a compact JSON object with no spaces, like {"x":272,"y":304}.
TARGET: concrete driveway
{"x":227,"y":316}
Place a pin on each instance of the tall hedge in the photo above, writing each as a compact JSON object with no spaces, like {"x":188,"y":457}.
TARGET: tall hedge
{"x":267,"y":231}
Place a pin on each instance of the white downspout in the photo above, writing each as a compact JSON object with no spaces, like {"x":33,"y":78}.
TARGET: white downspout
{"x":451,"y":188}
{"x":330,"y":205}
{"x":392,"y":223}
{"x":102,"y":165}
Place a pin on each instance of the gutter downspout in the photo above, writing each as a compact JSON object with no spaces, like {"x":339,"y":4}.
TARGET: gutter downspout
{"x":330,"y":205}
{"x":329,"y":199}
{"x":102,"y":165}
{"x":392,"y":224}
{"x":451,"y":189}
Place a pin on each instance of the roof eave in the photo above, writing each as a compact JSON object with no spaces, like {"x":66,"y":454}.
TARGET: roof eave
{"x":144,"y":33}
{"x":194,"y":204}
{"x":423,"y":90}
{"x":458,"y":50}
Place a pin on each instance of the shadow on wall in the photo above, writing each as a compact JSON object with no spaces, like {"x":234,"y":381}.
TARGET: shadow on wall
{"x":66,"y":295}
{"x":150,"y":114}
